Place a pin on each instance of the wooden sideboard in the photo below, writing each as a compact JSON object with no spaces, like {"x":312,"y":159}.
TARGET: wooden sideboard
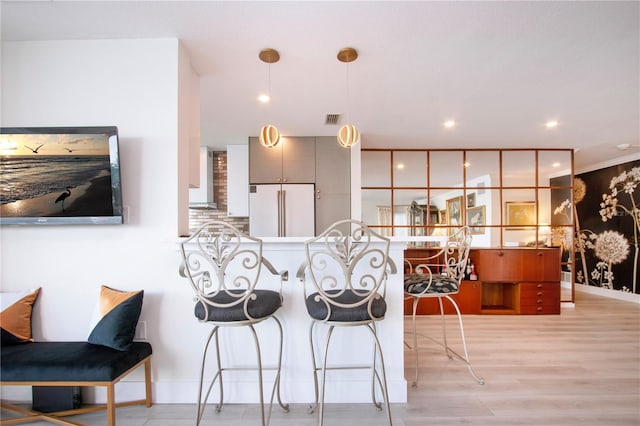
{"x":510,"y":281}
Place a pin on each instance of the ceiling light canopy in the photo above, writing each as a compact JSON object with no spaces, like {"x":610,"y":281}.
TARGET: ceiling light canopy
{"x":269,"y":135}
{"x":551,"y":124}
{"x":449,"y":124}
{"x":348,"y":135}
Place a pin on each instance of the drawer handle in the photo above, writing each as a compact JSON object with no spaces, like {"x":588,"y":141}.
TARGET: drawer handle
{"x":539,"y":302}
{"x":539,"y":309}
{"x":501,"y":254}
{"x":539,"y":285}
{"x":539,"y":293}
{"x":539,"y":253}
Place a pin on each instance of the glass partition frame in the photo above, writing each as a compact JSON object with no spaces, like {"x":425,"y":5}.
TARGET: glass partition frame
{"x":510,"y":197}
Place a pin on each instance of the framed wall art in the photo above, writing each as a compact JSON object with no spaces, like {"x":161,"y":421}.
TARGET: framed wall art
{"x":520,"y":214}
{"x":471,"y":200}
{"x":476,"y":219}
{"x":455,"y":211}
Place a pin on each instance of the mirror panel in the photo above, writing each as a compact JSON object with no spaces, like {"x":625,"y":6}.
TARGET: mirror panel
{"x":545,"y":211}
{"x":482,"y":168}
{"x":410,"y":169}
{"x":554,"y":164}
{"x":418,"y":215}
{"x":376,"y":168}
{"x":446,"y":169}
{"x":562,"y":212}
{"x":376,"y":207}
{"x":519,"y":217}
{"x":519,"y":168}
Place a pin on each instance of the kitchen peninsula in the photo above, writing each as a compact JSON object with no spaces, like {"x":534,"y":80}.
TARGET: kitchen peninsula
{"x":287,"y":253}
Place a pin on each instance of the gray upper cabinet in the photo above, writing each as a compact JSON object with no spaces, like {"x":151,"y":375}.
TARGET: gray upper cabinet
{"x":292,"y":161}
{"x":333,"y":182}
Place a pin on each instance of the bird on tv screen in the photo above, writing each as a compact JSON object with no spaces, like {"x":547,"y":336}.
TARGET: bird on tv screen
{"x":59,"y":175}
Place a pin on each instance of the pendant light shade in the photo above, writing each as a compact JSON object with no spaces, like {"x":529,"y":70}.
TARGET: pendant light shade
{"x":269,"y":136}
{"x":348,"y":135}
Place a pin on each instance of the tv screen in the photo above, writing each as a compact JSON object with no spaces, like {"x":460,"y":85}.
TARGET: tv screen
{"x":59,"y":175}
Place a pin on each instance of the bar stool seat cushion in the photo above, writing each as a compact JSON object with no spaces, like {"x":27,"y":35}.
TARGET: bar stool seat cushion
{"x":416,"y":284}
{"x":318,"y":309}
{"x":263,"y":305}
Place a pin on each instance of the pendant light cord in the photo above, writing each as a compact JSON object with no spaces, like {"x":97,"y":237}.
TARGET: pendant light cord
{"x":348,"y":96}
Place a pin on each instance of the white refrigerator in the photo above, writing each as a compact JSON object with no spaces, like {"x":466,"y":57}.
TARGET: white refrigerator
{"x":282,"y":210}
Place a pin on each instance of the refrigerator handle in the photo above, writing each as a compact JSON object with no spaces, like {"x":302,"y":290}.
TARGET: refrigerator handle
{"x":279,"y":195}
{"x":284,"y":213}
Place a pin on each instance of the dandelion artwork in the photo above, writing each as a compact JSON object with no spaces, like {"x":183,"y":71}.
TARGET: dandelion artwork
{"x":604,"y":203}
{"x":612,"y":248}
{"x":623,"y":186}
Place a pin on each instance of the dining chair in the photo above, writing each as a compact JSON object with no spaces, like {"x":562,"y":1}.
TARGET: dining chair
{"x":344,"y":277}
{"x":223,"y":266}
{"x":439,"y":276}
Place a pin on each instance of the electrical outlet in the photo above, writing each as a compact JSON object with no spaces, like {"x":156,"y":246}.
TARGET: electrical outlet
{"x":141,"y":331}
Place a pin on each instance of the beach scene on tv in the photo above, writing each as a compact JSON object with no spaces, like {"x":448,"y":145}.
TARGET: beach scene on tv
{"x":55,"y":175}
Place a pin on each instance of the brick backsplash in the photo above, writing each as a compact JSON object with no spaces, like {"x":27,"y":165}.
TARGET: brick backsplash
{"x":197,"y":217}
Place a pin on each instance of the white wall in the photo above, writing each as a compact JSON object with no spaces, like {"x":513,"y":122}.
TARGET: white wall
{"x":133,"y":84}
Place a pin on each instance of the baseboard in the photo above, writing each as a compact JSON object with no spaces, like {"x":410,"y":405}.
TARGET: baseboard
{"x":605,"y":292}
{"x":338,"y":391}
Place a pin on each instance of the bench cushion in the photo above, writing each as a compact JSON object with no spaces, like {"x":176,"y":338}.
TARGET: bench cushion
{"x":68,"y":361}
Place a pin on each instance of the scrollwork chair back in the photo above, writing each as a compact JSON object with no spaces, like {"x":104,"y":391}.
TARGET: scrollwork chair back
{"x":348,"y":270}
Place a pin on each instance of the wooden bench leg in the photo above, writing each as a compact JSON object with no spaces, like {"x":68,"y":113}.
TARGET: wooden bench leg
{"x":147,"y":381}
{"x":111,"y":405}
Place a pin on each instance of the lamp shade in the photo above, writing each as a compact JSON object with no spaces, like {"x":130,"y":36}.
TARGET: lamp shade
{"x":348,"y":135}
{"x":269,"y":136}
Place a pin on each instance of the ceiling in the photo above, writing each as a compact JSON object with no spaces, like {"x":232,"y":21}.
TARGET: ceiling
{"x":501,"y":70}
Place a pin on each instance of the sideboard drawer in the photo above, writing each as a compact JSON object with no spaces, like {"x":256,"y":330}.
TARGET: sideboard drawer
{"x":540,"y":298}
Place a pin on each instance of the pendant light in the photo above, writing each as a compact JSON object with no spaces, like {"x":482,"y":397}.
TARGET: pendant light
{"x":269,"y":135}
{"x":348,"y":135}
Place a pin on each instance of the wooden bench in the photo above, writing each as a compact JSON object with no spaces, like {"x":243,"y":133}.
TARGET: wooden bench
{"x":72,"y":364}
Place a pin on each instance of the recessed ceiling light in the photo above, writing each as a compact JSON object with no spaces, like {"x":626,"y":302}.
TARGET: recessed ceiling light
{"x":449,"y":124}
{"x":551,"y":124}
{"x":467,"y":164}
{"x":264,"y":98}
{"x":400,"y":166}
{"x":556,"y":164}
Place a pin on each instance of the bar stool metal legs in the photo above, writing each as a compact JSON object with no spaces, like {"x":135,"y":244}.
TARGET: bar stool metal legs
{"x":449,"y":352}
{"x":377,"y":377}
{"x":218,"y":376}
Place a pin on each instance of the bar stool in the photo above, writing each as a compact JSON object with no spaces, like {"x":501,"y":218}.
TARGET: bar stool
{"x":439,"y":276}
{"x":223,"y":267}
{"x":344,"y":277}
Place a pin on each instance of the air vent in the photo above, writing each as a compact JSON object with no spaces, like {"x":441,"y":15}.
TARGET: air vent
{"x":332,"y":119}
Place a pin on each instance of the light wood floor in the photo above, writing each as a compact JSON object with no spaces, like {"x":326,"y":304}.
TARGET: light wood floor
{"x":579,"y":368}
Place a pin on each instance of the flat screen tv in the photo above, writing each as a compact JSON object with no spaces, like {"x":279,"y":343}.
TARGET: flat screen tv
{"x":59,"y":176}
